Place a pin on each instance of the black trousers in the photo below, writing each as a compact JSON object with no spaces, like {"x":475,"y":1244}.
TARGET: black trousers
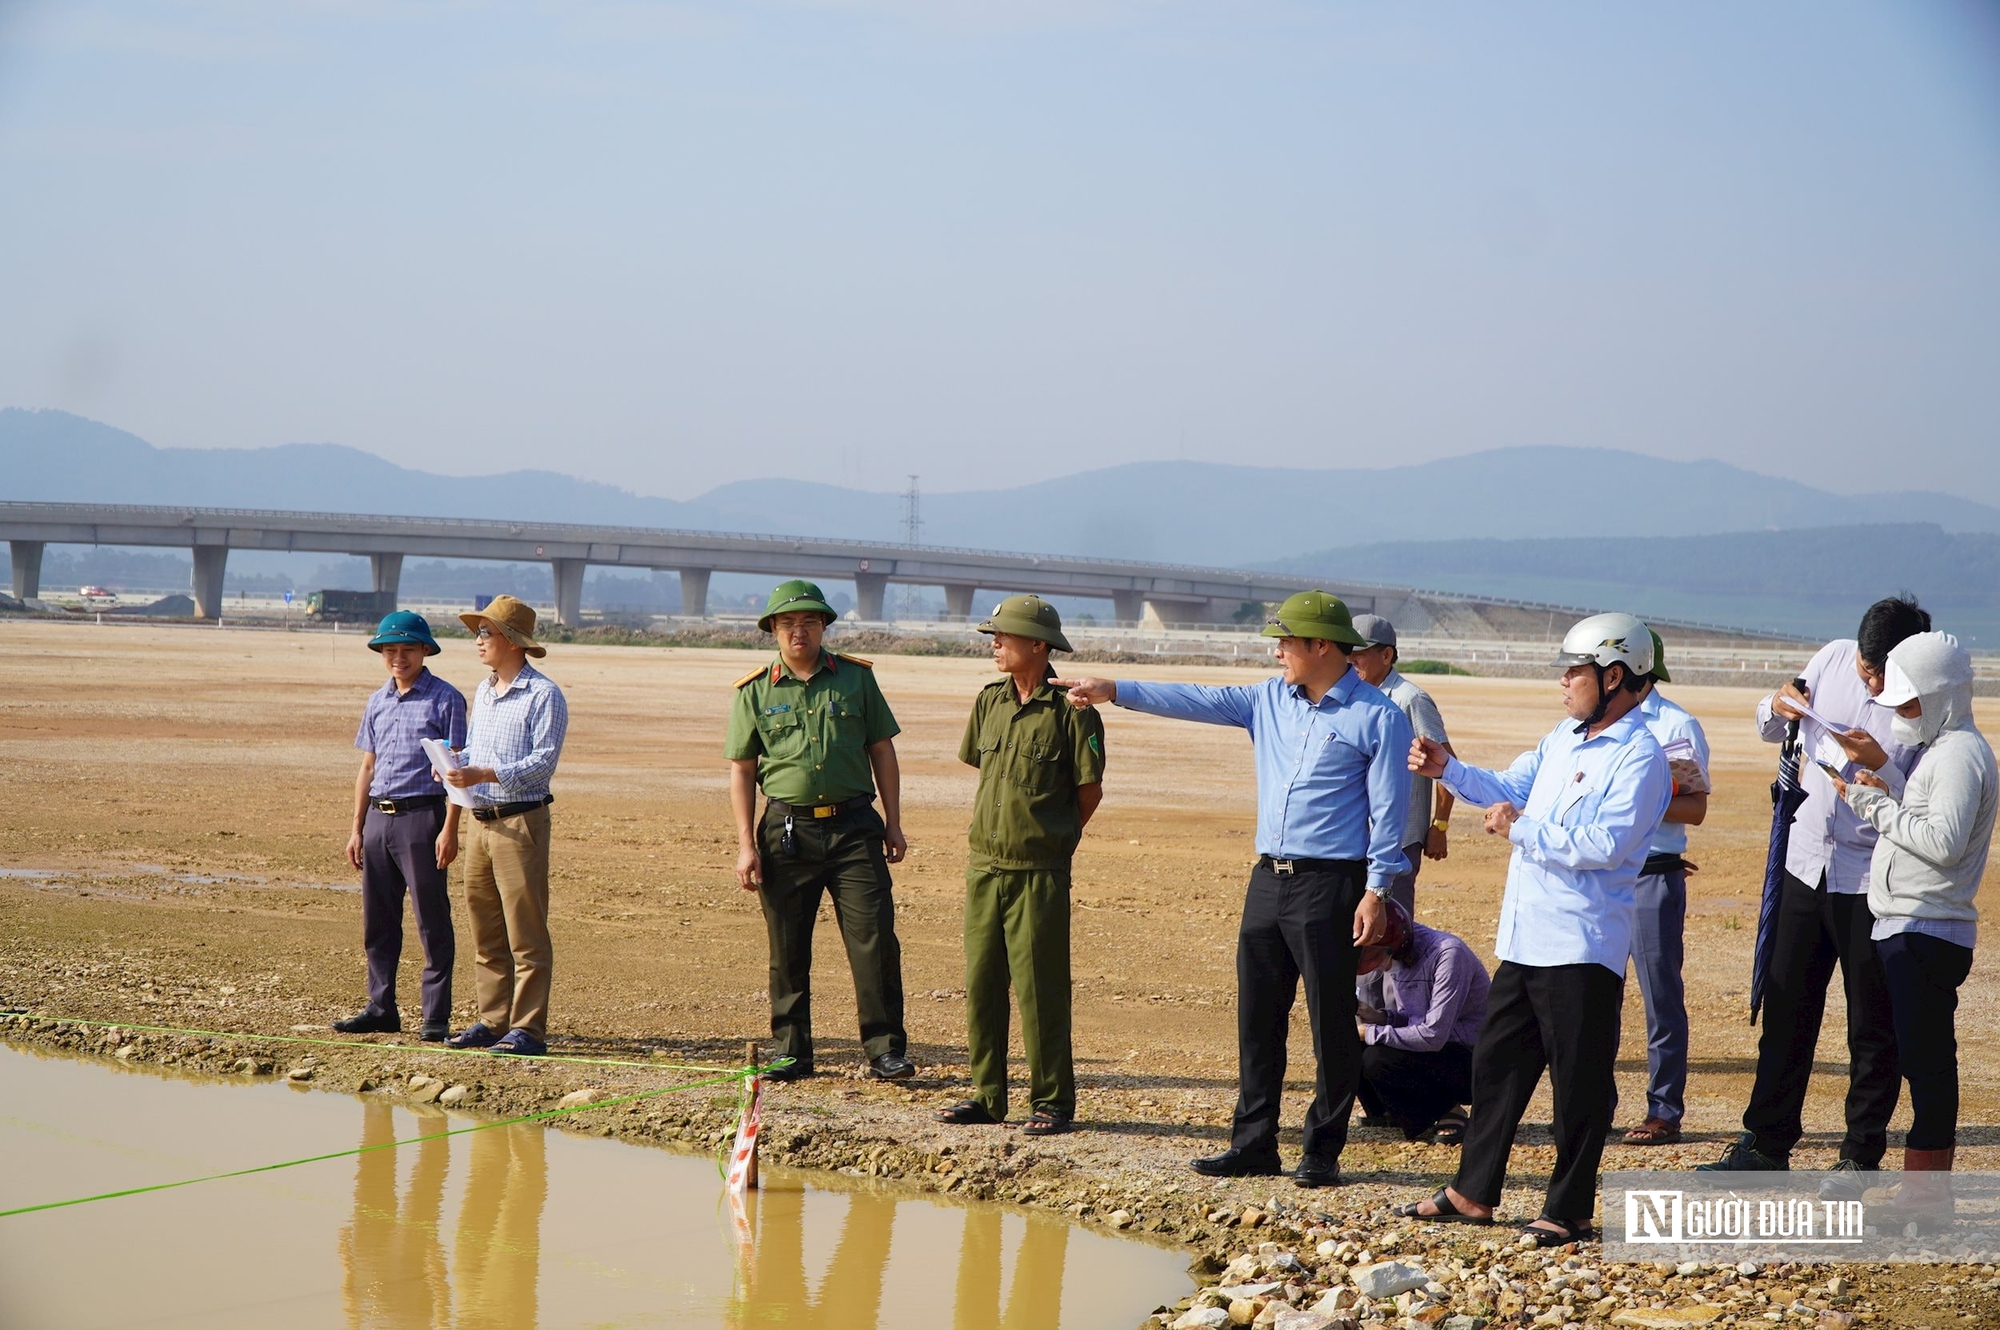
{"x":1563,"y":1018}
{"x":398,"y":856}
{"x":1412,"y":1089}
{"x":1924,"y":974}
{"x":1297,"y":926}
{"x":1816,"y":929}
{"x":841,"y":856}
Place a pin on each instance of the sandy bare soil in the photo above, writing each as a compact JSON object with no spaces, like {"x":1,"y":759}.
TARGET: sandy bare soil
{"x":177,"y":802}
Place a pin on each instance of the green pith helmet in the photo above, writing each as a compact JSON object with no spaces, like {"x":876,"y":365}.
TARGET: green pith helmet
{"x":1659,"y":659}
{"x":797,"y":596}
{"x":1028,"y":616}
{"x":1314,"y":614}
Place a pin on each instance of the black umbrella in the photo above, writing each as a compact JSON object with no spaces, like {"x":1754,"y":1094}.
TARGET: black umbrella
{"x":1786,"y":796}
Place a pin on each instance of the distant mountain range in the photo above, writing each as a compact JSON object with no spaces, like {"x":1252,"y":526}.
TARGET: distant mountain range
{"x":1587,"y":527}
{"x":1183,"y":512}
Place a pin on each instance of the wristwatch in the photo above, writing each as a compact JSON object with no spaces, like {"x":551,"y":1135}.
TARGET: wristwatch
{"x":1381,"y":892}
{"x":1440,"y":826}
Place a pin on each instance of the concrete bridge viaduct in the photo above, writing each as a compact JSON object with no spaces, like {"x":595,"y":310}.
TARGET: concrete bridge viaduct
{"x":1169,"y":592}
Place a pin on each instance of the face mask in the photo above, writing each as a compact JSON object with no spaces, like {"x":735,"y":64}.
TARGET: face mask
{"x":1909,"y":733}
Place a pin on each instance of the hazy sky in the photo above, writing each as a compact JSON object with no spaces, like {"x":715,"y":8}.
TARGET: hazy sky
{"x":668,"y":246}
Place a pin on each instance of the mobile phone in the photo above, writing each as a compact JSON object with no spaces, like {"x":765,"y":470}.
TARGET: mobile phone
{"x":1829,"y":769}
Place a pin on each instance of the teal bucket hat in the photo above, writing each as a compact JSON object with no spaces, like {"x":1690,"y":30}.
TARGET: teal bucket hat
{"x":404,"y":628}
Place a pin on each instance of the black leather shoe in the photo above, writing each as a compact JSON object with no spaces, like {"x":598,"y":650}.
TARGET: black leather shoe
{"x":435,"y":1032}
{"x":369,"y":1022}
{"x":1847,"y":1180}
{"x":1316,"y":1172}
{"x":798,"y":1071}
{"x":1743,"y":1156}
{"x":892,"y":1067}
{"x":1233,"y":1163}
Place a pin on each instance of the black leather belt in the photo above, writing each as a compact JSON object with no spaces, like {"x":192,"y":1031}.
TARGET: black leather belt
{"x":498,"y":811}
{"x":409,"y":805}
{"x":1290,"y":867}
{"x":822,"y":810}
{"x":1659,"y":865}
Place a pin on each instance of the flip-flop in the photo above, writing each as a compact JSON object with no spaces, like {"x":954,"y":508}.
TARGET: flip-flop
{"x":1047,"y":1123}
{"x":1572,"y":1230}
{"x":1447,"y":1213}
{"x":967,"y":1113}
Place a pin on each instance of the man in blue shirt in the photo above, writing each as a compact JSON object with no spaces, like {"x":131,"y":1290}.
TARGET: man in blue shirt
{"x":1332,"y":794}
{"x":1580,"y":809}
{"x":1659,"y":921}
{"x":405,"y":835}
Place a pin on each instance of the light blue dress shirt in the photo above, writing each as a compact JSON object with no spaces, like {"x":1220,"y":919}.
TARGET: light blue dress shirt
{"x":1588,"y":810}
{"x":1667,"y":721}
{"x":1333,"y":779}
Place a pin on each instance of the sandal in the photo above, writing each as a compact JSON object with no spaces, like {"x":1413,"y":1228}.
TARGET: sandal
{"x":1048,"y":1122}
{"x":1565,"y":1232}
{"x":967,"y":1113}
{"x":1447,"y":1213}
{"x":1450,"y":1127}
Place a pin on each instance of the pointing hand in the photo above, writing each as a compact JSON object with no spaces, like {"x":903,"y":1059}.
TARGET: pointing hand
{"x":1088,"y":692}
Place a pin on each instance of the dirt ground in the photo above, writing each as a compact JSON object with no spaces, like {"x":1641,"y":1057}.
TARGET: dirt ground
{"x":177,"y":803}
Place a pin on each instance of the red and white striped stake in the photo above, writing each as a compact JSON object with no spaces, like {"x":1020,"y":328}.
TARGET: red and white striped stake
{"x":743,"y":1155}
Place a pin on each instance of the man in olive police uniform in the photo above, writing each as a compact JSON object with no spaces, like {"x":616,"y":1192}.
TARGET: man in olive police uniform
{"x":1041,"y":773}
{"x":813,"y":730}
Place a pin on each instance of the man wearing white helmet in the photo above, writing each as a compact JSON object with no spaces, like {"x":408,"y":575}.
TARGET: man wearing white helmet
{"x":1580,"y":809}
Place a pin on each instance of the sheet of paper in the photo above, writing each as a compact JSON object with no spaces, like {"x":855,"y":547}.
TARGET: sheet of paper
{"x":1826,"y":722}
{"x":1829,"y":751}
{"x":443,"y":760}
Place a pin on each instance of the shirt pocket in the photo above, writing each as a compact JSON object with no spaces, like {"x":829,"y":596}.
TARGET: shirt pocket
{"x":1036,"y":766}
{"x":784,"y":734}
{"x":845,"y":723}
{"x":1576,"y":803}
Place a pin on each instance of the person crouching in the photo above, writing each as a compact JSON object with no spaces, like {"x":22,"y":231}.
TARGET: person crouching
{"x":1421,"y":1001}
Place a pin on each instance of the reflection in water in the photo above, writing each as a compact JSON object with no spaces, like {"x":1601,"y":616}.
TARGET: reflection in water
{"x":392,"y":1254}
{"x":1035,"y":1296}
{"x":391,"y":1263}
{"x":503,"y":1227}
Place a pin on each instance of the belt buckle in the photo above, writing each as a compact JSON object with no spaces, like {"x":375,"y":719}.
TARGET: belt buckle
{"x":826,"y":810}
{"x":1283,"y":867}
{"x":386,"y":806}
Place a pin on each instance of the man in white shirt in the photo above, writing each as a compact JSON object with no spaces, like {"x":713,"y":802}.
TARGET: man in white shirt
{"x":1823,"y":917}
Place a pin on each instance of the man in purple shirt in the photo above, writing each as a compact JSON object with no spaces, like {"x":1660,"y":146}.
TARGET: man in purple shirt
{"x":405,"y":832}
{"x":1421,"y":1001}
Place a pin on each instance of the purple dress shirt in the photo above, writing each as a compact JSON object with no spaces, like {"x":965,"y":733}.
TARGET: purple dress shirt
{"x":1438,"y":998}
{"x":393,"y":723}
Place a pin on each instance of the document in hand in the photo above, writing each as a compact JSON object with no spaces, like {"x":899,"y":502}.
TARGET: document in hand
{"x":443,"y":760}
{"x":1689,"y":778}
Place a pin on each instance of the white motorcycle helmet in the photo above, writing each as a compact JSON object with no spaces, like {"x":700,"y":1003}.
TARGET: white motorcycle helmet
{"x":1604,"y":640}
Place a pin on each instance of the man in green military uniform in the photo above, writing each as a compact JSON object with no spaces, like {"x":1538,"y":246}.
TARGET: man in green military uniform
{"x":1041,"y":773}
{"x":813,"y":730}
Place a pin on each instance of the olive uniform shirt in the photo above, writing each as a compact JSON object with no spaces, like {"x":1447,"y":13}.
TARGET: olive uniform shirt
{"x":812,"y":735}
{"x":1031,"y":757}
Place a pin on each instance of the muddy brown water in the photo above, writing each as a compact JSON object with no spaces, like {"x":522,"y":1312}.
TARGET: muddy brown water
{"x":514,"y":1226}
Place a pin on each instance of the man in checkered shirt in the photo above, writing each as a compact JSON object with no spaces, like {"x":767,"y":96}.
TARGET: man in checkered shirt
{"x":514,"y":738}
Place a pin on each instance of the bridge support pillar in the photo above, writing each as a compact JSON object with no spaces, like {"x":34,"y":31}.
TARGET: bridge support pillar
{"x":958,"y":601}
{"x":569,"y":592}
{"x":209,"y":561}
{"x":27,"y":568}
{"x":868,"y":589}
{"x":1128,"y":606}
{"x":694,"y":592}
{"x":386,"y":571}
{"x":1178,"y":613}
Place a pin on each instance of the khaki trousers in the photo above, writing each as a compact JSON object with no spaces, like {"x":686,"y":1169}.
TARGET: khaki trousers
{"x":507,"y":894}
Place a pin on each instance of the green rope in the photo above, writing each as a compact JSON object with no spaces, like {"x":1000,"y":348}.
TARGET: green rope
{"x":400,"y":1048}
{"x":388,"y":1145}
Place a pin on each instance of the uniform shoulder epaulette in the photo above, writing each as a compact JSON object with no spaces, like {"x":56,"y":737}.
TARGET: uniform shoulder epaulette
{"x":864,"y":664}
{"x":748,"y":678}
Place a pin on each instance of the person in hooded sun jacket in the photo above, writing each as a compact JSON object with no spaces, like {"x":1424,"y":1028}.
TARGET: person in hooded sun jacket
{"x":1926,"y":869}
